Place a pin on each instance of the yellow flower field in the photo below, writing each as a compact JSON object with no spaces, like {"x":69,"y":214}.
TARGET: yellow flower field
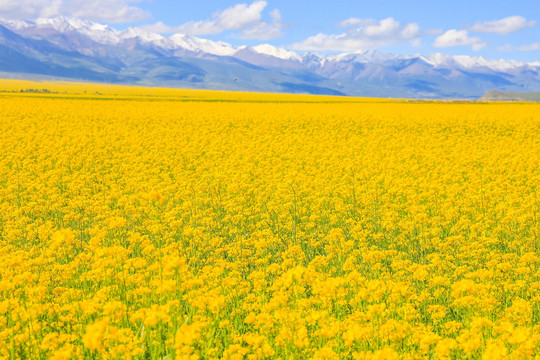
{"x":178,"y":224}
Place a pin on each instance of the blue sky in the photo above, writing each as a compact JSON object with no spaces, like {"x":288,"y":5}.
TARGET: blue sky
{"x":499,"y":29}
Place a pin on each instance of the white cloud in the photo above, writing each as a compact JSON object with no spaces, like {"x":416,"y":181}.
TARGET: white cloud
{"x":97,"y":10}
{"x":276,"y":15}
{"x":264,"y":30}
{"x":361,"y":34}
{"x":503,"y":26}
{"x":355,"y":22}
{"x":106,"y":10}
{"x":458,"y":38}
{"x":528,"y":47}
{"x":23,"y":9}
{"x":237,"y":17}
{"x":241,"y":17}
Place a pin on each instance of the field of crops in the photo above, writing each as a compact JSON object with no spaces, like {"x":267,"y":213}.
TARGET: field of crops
{"x":159,"y":224}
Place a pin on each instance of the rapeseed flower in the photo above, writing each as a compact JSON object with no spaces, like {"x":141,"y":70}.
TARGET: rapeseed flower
{"x":267,"y":226}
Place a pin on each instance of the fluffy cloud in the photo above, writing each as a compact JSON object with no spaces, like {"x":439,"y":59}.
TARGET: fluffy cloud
{"x":234,"y":18}
{"x":361,"y":34}
{"x":503,"y":26}
{"x":99,"y":10}
{"x":22,"y":9}
{"x":458,"y":38}
{"x":247,"y":19}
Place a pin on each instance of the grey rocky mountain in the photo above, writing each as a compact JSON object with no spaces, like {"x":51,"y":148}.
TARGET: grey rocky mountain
{"x":88,"y":51}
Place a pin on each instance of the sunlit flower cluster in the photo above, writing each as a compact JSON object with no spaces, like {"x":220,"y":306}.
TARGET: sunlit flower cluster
{"x":279,"y":227}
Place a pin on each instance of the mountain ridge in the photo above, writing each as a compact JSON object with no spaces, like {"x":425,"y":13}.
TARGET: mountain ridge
{"x":495,"y":95}
{"x":87,"y":50}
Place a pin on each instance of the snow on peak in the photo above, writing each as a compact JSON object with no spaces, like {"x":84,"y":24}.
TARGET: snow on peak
{"x":15,"y":25}
{"x":364,"y":56}
{"x":134,"y":32}
{"x":98,"y":32}
{"x":470,"y":62}
{"x":60,"y":24}
{"x":195,"y":44}
{"x":280,"y":52}
{"x":63,"y":24}
{"x":104,"y":34}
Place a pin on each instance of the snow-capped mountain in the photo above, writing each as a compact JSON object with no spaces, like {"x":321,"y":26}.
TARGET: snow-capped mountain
{"x":198,"y":45}
{"x":279,"y":53}
{"x":74,"y":48}
{"x":42,"y":27}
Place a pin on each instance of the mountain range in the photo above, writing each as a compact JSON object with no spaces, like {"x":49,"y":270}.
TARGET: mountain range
{"x":83,"y":50}
{"x":495,"y":95}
